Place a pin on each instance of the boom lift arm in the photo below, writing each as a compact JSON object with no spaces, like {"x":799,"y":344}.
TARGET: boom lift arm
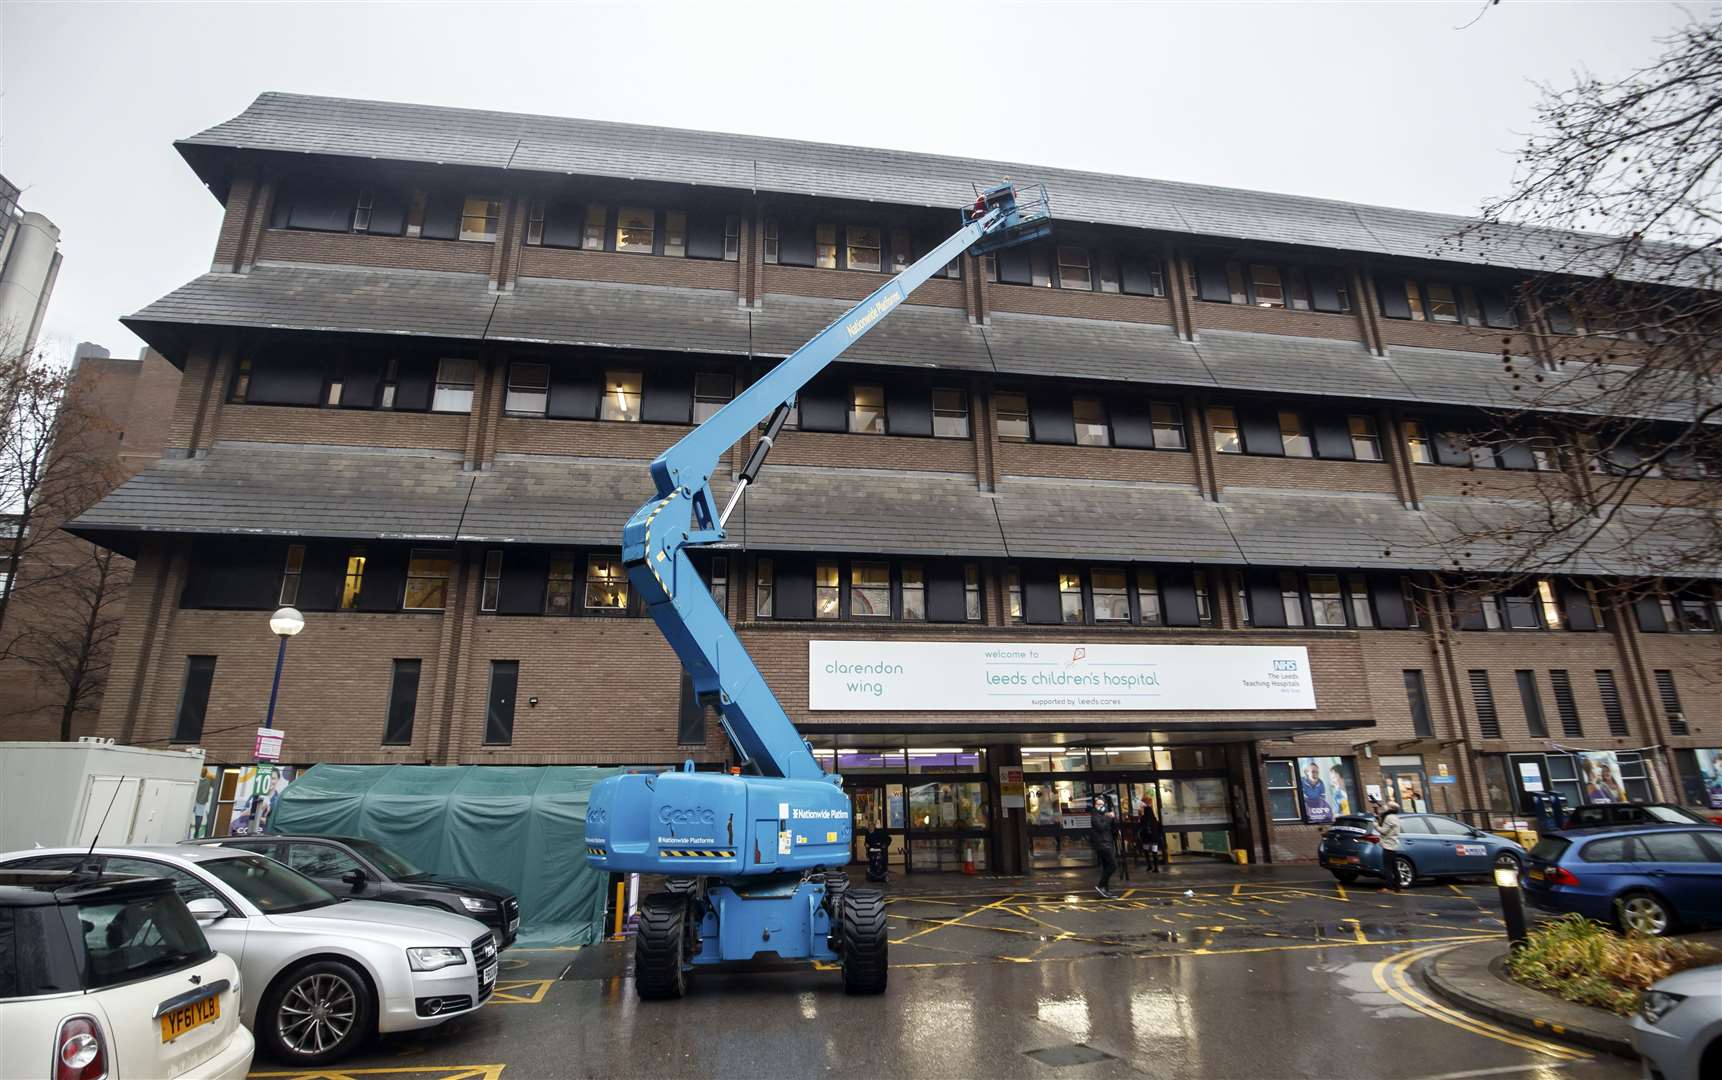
{"x":753,"y":860}
{"x":684,"y":514}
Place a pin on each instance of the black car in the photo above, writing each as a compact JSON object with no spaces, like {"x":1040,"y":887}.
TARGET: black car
{"x":365,"y":870}
{"x":1614,"y":815}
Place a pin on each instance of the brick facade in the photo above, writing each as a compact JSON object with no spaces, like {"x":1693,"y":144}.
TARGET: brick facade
{"x":606,"y":690}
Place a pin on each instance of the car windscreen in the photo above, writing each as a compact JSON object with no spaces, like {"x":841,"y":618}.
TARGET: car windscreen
{"x":1551,"y":848}
{"x":274,"y":888}
{"x":389,"y":862}
{"x":136,"y":937}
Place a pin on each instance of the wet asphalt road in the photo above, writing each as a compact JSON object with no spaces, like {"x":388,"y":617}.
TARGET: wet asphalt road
{"x":1264,"y":972}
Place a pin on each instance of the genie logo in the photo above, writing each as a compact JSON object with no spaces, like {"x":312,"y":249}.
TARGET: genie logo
{"x":597,"y":815}
{"x":690,"y":815}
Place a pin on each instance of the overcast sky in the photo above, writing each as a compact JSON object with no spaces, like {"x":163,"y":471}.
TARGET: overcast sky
{"x":1378,"y":103}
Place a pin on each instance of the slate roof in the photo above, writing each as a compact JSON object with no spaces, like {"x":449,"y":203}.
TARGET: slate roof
{"x":707,"y":321}
{"x":263,"y":490}
{"x":342,"y":127}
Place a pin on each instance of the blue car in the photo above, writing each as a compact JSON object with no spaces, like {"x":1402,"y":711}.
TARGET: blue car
{"x":1647,"y":878}
{"x":1430,"y":846}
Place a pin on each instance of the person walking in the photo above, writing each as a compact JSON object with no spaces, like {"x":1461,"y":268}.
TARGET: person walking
{"x":1148,"y":838}
{"x":1388,"y":828}
{"x":1103,"y":834}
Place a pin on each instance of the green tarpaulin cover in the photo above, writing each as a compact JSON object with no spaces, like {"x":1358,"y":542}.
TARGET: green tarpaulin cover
{"x":523,"y":828}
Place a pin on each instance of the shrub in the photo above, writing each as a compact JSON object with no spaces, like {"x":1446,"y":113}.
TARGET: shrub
{"x":1585,"y":962}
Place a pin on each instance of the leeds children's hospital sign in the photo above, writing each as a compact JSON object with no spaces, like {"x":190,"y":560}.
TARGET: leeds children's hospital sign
{"x":1014,"y":677}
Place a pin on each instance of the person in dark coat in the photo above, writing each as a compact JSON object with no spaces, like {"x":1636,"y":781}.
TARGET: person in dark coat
{"x":1150,"y":840}
{"x":1103,"y":834}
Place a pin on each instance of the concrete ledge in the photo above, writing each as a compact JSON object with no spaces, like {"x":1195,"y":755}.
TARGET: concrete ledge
{"x":1472,"y":977}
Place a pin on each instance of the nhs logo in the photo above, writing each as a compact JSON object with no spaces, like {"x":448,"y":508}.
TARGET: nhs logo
{"x":1285,"y":665}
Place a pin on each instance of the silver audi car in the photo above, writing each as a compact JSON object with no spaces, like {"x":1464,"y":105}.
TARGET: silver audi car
{"x":320,"y":974}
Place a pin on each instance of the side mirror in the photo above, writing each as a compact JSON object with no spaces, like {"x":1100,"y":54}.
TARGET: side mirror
{"x":207,"y":909}
{"x":355,"y":878}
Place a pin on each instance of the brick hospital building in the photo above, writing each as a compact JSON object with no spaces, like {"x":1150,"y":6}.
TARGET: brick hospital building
{"x":436,"y":348}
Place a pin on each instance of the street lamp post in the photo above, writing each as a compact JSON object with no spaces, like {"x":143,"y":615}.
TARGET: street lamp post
{"x":284,"y":623}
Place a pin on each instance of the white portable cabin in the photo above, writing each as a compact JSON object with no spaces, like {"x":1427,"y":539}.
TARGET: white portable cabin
{"x":55,"y":794}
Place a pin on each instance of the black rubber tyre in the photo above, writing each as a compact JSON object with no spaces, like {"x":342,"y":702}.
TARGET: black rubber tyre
{"x":1345,"y":877}
{"x":861,"y":930}
{"x":1404,"y":871}
{"x":685,"y":885}
{"x":1643,"y":912}
{"x":660,"y":948}
{"x":1506,"y":860}
{"x":316,"y":1013}
{"x":836,"y":884}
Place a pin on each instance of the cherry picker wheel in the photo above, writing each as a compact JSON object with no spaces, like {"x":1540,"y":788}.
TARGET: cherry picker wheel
{"x":836,"y":884}
{"x":861,"y":928}
{"x":660,"y":947}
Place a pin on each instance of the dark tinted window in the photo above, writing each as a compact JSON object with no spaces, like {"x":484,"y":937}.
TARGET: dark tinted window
{"x":1441,"y":826}
{"x":1611,"y":850}
{"x":1673,"y":847}
{"x":320,"y":860}
{"x":8,"y":957}
{"x":1550,"y":849}
{"x":194,"y":698}
{"x":1358,"y":822}
{"x":1411,"y":824}
{"x":389,"y":862}
{"x":1587,"y":817}
{"x":137,"y":938}
{"x":46,"y":862}
{"x":185,"y":884}
{"x":272,"y":887}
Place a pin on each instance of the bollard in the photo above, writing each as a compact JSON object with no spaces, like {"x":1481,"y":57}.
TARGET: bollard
{"x":1512,"y":904}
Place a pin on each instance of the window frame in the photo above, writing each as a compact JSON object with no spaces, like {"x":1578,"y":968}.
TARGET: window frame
{"x":616,"y":390}
{"x":627,"y":218}
{"x":417,"y":555}
{"x":461,"y":394}
{"x":489,"y":215}
{"x":1002,"y":415}
{"x":616,"y":580}
{"x":516,"y":386}
{"x":949,"y":413}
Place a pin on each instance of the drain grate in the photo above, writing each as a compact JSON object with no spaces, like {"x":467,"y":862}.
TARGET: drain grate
{"x":1068,"y":1054}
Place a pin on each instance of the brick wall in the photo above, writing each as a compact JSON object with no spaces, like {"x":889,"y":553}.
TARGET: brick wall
{"x":1088,"y":462}
{"x":853,"y":285}
{"x":343,"y":427}
{"x":1302,"y":474}
{"x":1256,"y":320}
{"x":541,"y":262}
{"x":400,"y":252}
{"x":1079,"y":305}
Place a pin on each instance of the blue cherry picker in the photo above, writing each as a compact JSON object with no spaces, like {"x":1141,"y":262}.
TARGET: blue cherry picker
{"x":754,"y":859}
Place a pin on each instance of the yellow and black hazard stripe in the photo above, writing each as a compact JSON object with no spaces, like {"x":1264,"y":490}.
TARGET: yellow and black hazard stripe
{"x":595,"y":850}
{"x":697,"y":853}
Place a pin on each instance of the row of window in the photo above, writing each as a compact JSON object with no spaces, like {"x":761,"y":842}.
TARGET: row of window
{"x":564,"y":583}
{"x":329,"y":206}
{"x":1560,"y":682}
{"x":536,"y":389}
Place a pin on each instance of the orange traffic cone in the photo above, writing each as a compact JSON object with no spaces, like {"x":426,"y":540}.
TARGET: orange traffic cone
{"x":969,"y":859}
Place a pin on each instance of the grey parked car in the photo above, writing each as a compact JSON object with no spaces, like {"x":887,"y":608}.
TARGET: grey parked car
{"x":320,"y":974}
{"x":1678,"y":1029}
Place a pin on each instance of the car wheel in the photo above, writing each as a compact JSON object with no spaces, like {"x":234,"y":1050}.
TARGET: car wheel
{"x":1506,"y":860}
{"x":1644,"y":913}
{"x":316,"y":1013}
{"x":1345,"y":877}
{"x":1403,"y":872}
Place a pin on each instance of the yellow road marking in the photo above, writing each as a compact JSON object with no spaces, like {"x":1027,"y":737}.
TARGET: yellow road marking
{"x":1458,"y":891}
{"x":969,"y":914}
{"x":429,"y":1072}
{"x":1357,"y":931}
{"x":1238,"y":888}
{"x":1391,"y":978}
{"x":520,"y":991}
{"x":1340,"y":885}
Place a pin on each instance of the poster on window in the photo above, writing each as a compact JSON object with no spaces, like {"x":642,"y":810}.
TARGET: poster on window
{"x":1599,"y":772}
{"x":1710,"y":776}
{"x":258,"y":791}
{"x":1326,"y":787}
